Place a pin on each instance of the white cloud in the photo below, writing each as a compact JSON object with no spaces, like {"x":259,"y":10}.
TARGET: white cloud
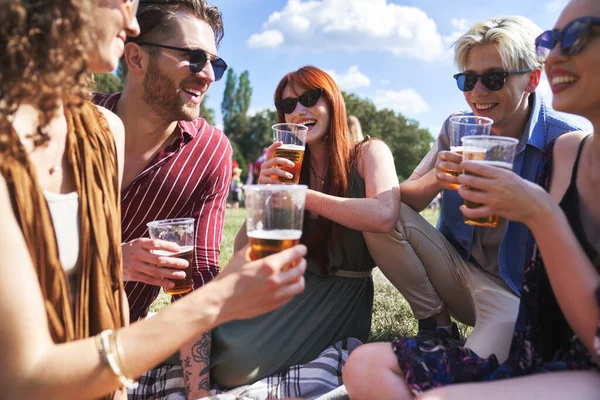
{"x":406,"y":101}
{"x":556,"y":5}
{"x":460,"y":26}
{"x":352,"y":25}
{"x":351,"y":79}
{"x":268,"y":38}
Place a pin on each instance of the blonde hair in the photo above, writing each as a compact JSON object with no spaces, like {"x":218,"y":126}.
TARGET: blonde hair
{"x":514,"y":37}
{"x":355,"y":130}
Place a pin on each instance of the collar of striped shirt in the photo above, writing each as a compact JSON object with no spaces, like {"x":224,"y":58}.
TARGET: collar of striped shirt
{"x":187,"y":129}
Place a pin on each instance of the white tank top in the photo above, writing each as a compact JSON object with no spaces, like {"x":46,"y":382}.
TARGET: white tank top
{"x":64,"y":209}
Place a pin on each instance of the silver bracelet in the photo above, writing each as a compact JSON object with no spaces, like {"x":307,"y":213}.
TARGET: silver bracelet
{"x":106,"y":347}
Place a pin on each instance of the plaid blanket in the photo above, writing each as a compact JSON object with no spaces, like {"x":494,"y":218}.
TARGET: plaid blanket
{"x":164,"y":382}
{"x":308,"y":381}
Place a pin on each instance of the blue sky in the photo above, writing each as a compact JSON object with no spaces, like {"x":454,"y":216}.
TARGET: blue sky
{"x":395,"y":52}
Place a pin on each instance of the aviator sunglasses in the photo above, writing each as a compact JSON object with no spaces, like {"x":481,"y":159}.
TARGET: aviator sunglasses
{"x":572,"y":38}
{"x":307,"y":99}
{"x":493,"y":81}
{"x":198,"y":59}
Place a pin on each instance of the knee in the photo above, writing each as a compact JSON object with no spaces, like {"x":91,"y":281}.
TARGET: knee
{"x":365,"y":368}
{"x":357,"y":362}
{"x":357,"y":370}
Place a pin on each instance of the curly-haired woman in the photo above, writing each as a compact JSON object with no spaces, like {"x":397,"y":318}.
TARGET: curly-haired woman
{"x":61,"y":288}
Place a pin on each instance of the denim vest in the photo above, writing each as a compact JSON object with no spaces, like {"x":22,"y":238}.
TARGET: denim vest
{"x":515,"y":248}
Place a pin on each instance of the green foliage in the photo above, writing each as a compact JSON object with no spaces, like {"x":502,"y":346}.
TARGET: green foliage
{"x":107,"y":83}
{"x":227,"y":104}
{"x":409,"y":143}
{"x":207,"y":113}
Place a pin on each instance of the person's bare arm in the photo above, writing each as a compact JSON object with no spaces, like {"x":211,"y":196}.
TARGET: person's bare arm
{"x":30,"y":358}
{"x":418,"y":191}
{"x":379,"y":210}
{"x":118,"y":130}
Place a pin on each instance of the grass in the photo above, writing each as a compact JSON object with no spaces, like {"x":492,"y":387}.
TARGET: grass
{"x":392,"y":316}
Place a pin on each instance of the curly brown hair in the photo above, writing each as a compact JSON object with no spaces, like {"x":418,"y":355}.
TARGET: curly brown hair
{"x":43,"y":56}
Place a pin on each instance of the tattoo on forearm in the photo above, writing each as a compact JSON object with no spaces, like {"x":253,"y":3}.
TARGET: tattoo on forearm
{"x":204,"y":383}
{"x":201,"y":349}
{"x":188,"y":385}
{"x":201,"y":354}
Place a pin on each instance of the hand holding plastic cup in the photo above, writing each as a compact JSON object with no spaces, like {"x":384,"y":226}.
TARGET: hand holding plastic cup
{"x":274,"y":218}
{"x":293,"y":139}
{"x":180,"y":231}
{"x":497,"y":151}
{"x":466,"y":125}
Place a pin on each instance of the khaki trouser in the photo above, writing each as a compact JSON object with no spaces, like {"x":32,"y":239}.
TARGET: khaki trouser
{"x":428,"y":271}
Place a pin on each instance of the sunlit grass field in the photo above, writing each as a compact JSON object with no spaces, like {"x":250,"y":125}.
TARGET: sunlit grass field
{"x":391,"y":314}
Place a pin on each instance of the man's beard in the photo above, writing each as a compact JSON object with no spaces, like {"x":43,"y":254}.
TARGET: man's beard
{"x":162,"y":97}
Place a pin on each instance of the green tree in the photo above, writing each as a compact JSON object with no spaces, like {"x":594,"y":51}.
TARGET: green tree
{"x":207,"y":113}
{"x":228,"y":102}
{"x":107,"y":83}
{"x":243,"y":94}
{"x":236,"y":124}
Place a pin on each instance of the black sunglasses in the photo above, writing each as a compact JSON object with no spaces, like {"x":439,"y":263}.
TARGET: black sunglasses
{"x":198,"y":59}
{"x":493,"y":81}
{"x":572,"y":38}
{"x":307,"y":99}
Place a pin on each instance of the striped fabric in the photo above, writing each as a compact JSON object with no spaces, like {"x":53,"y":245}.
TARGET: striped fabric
{"x":319,"y":379}
{"x":189,"y":178}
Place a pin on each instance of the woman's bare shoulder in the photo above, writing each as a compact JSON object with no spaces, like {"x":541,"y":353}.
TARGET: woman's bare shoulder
{"x":563,"y":159}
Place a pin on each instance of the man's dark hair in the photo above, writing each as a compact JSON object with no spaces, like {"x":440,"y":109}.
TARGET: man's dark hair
{"x":155,"y":17}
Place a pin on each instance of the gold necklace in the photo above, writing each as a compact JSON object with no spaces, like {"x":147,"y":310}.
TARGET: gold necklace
{"x":319,"y":177}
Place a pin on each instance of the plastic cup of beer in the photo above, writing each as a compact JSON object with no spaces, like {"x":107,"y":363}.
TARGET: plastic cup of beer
{"x":466,"y":125}
{"x":293,"y":139}
{"x":180,"y":231}
{"x":497,"y":151}
{"x":274,"y":217}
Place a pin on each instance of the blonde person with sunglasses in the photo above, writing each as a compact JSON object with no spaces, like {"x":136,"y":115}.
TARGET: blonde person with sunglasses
{"x":555,"y":348}
{"x":472,"y":273}
{"x":63,"y":308}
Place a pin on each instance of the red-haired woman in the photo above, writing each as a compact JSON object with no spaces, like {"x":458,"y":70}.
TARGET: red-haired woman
{"x":352,"y":189}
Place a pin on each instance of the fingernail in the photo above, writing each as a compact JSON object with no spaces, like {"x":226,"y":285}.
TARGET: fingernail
{"x":289,"y":176}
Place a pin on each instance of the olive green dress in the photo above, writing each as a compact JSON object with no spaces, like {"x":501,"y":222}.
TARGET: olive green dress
{"x":329,"y":309}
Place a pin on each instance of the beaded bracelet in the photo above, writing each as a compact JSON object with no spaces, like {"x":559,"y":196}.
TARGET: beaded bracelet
{"x":109,"y":349}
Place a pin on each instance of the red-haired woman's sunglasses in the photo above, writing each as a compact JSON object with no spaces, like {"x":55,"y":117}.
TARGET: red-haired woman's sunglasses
{"x":307,"y":99}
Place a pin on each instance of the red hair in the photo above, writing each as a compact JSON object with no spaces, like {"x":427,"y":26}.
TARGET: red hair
{"x":340,"y":158}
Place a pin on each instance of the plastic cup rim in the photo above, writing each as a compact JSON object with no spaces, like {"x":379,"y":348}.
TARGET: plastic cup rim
{"x":505,"y":139}
{"x":456,"y":120}
{"x":170,"y":221}
{"x":282,"y":124}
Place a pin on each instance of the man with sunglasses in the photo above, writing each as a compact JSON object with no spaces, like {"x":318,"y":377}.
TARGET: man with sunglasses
{"x":473,"y":273}
{"x":176,"y":165}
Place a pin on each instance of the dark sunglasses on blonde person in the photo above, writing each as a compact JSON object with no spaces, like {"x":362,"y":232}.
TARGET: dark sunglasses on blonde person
{"x":307,"y":99}
{"x":493,"y":81}
{"x":572,"y":38}
{"x":198,"y":59}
